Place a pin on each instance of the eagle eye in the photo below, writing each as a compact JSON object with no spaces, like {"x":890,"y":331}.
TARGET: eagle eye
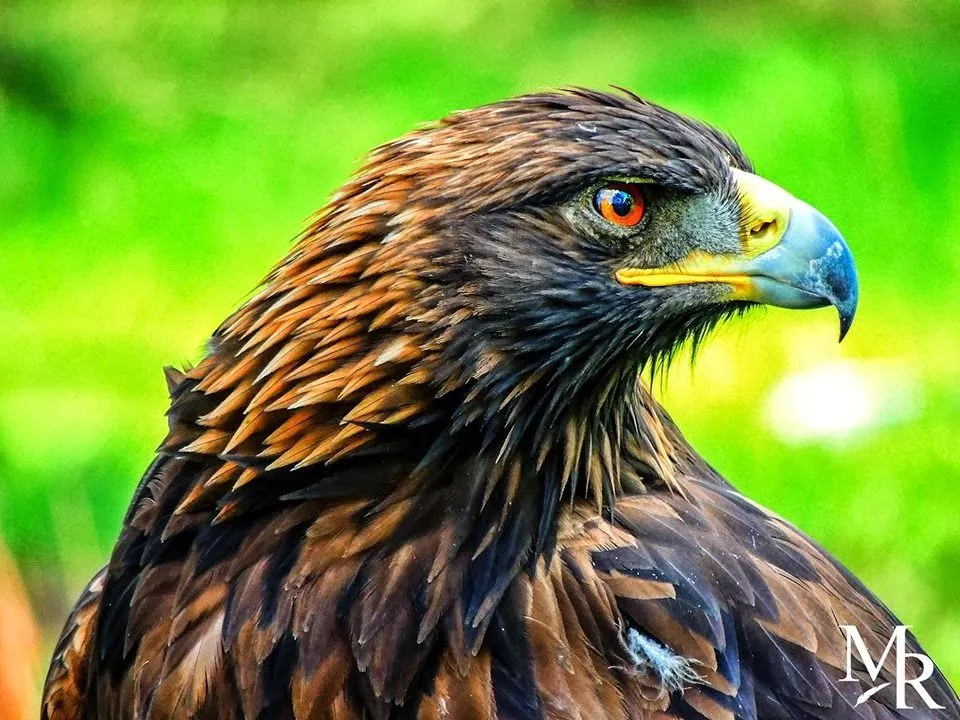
{"x":620,"y":203}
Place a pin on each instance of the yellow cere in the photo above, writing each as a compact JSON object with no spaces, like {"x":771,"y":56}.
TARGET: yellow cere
{"x":765,"y":209}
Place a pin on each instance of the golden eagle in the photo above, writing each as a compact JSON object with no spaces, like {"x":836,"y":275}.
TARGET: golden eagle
{"x":417,"y":475}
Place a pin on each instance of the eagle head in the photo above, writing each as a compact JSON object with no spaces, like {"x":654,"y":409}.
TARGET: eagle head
{"x":584,"y":235}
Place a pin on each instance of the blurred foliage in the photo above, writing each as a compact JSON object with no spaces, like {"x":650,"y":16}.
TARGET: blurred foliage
{"x":19,"y":645}
{"x":156,"y":159}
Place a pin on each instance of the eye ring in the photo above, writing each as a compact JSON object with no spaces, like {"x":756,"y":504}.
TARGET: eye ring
{"x":620,"y":203}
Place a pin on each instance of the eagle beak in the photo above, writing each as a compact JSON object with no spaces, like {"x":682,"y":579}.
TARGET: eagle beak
{"x":791,"y":256}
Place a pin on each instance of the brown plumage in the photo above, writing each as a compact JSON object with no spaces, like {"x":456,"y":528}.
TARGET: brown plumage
{"x":417,"y":475}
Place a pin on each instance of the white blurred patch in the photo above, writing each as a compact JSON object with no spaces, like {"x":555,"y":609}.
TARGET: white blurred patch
{"x":841,"y":399}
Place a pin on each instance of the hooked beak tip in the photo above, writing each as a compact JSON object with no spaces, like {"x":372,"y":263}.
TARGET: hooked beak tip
{"x":846,"y":320}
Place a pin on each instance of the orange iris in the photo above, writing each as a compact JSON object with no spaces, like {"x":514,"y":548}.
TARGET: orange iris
{"x":620,"y":203}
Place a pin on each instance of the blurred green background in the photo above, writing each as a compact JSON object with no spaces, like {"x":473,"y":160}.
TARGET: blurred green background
{"x":157,"y":158}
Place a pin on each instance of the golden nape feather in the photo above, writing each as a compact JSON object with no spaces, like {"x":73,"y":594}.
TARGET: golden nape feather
{"x":417,"y":474}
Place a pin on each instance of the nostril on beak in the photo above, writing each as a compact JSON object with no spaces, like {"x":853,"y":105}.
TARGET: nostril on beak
{"x":763,"y":231}
{"x":762,"y":227}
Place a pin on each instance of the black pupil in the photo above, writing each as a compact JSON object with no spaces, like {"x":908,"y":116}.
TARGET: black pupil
{"x":621,"y":202}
